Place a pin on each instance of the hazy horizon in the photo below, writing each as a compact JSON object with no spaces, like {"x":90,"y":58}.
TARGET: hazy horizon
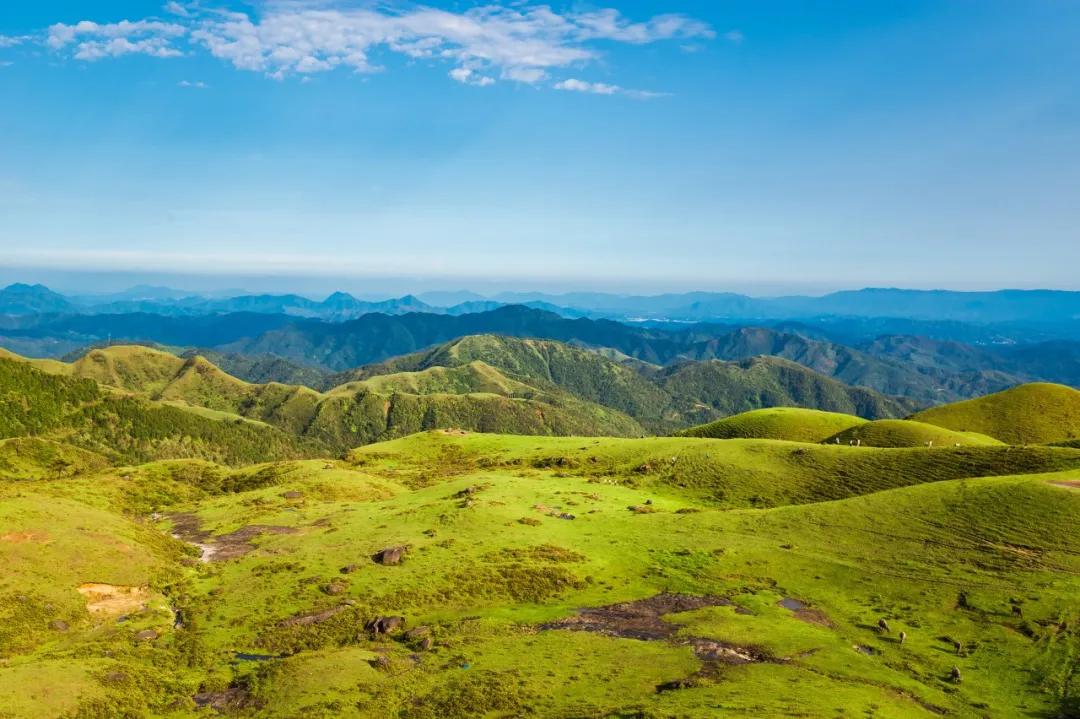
{"x":378,"y":288}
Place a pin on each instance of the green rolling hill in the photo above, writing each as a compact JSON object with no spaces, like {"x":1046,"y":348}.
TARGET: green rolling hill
{"x":787,"y":423}
{"x":1033,"y":413}
{"x":661,"y":399}
{"x":909,"y":433}
{"x":473,"y":397}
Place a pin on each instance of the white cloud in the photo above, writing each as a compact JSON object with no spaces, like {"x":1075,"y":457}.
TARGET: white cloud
{"x":93,"y":41}
{"x":174,"y":8}
{"x":13,"y":40}
{"x":600,"y":88}
{"x":519,"y":42}
{"x":469,"y":77}
{"x":595,"y":88}
{"x":530,"y":75}
{"x":196,"y":84}
{"x":734,"y":36}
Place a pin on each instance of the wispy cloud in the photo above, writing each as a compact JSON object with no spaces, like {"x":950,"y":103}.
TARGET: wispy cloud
{"x":517,"y":43}
{"x":600,"y":88}
{"x":195,"y":84}
{"x":13,"y":40}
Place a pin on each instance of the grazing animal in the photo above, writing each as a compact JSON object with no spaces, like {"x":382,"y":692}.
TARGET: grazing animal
{"x":959,"y":647}
{"x":858,"y":443}
{"x":1018,"y":610}
{"x":883,"y":626}
{"x":903,"y":637}
{"x":954,"y":675}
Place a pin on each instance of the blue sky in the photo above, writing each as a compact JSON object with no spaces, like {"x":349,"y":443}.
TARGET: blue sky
{"x":752,"y":146}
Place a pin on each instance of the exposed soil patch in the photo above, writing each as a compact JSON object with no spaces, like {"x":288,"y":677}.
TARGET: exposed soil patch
{"x":223,"y":701}
{"x":316,"y":618}
{"x":113,"y":600}
{"x":1070,"y":483}
{"x":806,"y":614}
{"x":644,"y":620}
{"x":188,"y":528}
{"x":20,"y":537}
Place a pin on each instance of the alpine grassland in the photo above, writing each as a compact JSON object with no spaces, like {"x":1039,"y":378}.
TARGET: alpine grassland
{"x":178,"y":543}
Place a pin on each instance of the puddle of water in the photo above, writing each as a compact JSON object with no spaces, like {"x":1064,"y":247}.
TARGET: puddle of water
{"x":792,"y":604}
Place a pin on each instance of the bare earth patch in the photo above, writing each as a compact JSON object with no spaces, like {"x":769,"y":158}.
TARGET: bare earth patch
{"x":188,"y":528}
{"x":113,"y":600}
{"x":806,"y":614}
{"x":644,"y":620}
{"x":1069,"y":483}
{"x":20,"y":537}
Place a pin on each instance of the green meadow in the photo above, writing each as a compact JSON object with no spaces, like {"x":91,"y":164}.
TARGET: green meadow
{"x":779,"y":563}
{"x":786,"y":557}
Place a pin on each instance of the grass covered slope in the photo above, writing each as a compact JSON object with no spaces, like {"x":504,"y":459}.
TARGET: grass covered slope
{"x":908,"y":433}
{"x":704,"y":390}
{"x":596,"y":566}
{"x":473,"y":397}
{"x":1033,"y":413}
{"x":723,"y":474}
{"x":788,"y":423}
{"x":661,"y":399}
{"x":81,"y":413}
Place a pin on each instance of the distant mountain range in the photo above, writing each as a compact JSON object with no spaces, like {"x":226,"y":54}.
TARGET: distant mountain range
{"x":1041,"y":307}
{"x":296,"y":340}
{"x":275,"y":347}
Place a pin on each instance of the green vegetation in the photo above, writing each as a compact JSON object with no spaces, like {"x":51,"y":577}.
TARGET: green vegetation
{"x":178,"y":543}
{"x":106,"y":615}
{"x":908,"y":433}
{"x":788,"y":423}
{"x":1029,"y":414}
{"x":79,"y":412}
{"x":660,"y":399}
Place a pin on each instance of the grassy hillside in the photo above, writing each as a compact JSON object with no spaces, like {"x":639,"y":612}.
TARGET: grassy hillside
{"x":788,"y":423}
{"x":705,"y":390}
{"x":908,"y":433}
{"x":473,"y":397}
{"x":81,"y":413}
{"x":596,"y":566}
{"x":661,"y":399}
{"x":727,"y":474}
{"x":1031,"y":413}
{"x":584,"y":374}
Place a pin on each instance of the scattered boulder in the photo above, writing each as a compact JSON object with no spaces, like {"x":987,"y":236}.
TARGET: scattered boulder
{"x":390,"y":556}
{"x":58,"y":625}
{"x":418,"y":633}
{"x":293,"y":494}
{"x":334,"y":588}
{"x":147,"y":635}
{"x":350,"y":568}
{"x":385,"y":625}
{"x":676,"y":685}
